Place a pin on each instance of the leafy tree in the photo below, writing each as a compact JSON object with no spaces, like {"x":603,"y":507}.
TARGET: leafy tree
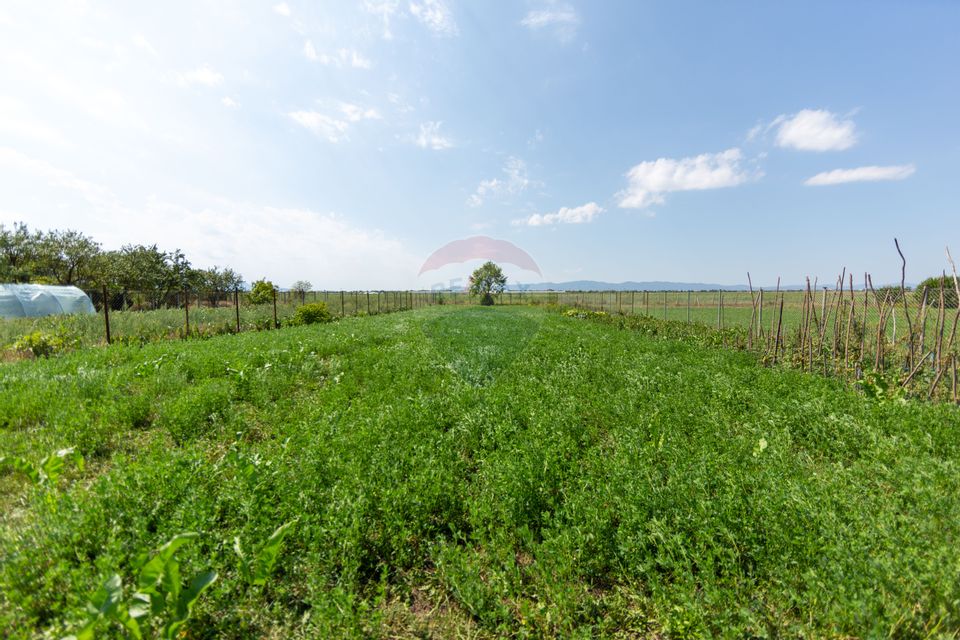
{"x":487,"y":281}
{"x":146,"y":270}
{"x":301,"y":287}
{"x":66,"y":257}
{"x":18,"y":252}
{"x":216,"y":281}
{"x":933,"y":286}
{"x":261,"y":292}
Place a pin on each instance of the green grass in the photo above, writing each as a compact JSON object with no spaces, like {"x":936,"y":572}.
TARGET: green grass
{"x":458,"y":471}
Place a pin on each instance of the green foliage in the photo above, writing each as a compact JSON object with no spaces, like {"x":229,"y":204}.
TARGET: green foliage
{"x":160,"y":604}
{"x":40,"y":344}
{"x":256,"y":569}
{"x":933,"y":287}
{"x":485,"y":472}
{"x":311,"y":313}
{"x":261,"y":292}
{"x":486,"y":281}
{"x":48,"y":470}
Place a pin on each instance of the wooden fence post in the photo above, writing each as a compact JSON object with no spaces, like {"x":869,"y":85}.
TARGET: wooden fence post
{"x":341,"y":303}
{"x":275,"y":324}
{"x":106,"y":312}
{"x":688,"y":306}
{"x":186,"y":313}
{"x":236,"y":306}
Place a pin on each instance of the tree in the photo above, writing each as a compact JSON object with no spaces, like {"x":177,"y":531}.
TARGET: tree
{"x":261,"y":292}
{"x":18,"y":252}
{"x":933,"y":286}
{"x":487,"y":281}
{"x":300,"y":287}
{"x":66,"y":257}
{"x":215,"y":281}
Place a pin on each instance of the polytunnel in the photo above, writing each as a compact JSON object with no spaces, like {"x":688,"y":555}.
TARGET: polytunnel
{"x":33,"y":300}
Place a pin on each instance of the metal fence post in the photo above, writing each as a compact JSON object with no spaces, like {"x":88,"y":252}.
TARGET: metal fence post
{"x":688,"y":307}
{"x":341,"y":303}
{"x":186,"y":313}
{"x":106,"y":313}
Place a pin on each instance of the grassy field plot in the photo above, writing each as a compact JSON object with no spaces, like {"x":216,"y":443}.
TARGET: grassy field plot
{"x":461,"y":471}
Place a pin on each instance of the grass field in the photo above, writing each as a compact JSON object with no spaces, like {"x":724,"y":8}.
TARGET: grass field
{"x":461,"y":471}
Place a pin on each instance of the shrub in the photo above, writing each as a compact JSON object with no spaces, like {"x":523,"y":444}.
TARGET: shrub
{"x":261,"y":292}
{"x":40,"y":344}
{"x":311,"y":314}
{"x":933,"y":286}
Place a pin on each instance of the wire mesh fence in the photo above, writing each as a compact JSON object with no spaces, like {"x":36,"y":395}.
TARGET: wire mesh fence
{"x":843,"y":331}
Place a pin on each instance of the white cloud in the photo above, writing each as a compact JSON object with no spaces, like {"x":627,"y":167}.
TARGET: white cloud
{"x":281,"y":243}
{"x":650,"y":181}
{"x":341,"y":58}
{"x":322,"y":125}
{"x":435,"y":16}
{"x":17,"y":119}
{"x":566,"y":215}
{"x":93,"y":194}
{"x":562,"y":20}
{"x":431,"y":138}
{"x":142,"y":43}
{"x":229,"y":102}
{"x":202,"y":75}
{"x":333,"y":128}
{"x":386,"y":10}
{"x":861,"y":174}
{"x":814,"y":130}
{"x":283,"y":9}
{"x":516,"y":182}
{"x":356,"y":113}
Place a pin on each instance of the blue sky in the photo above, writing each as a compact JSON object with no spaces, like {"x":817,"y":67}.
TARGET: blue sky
{"x":342,"y":142}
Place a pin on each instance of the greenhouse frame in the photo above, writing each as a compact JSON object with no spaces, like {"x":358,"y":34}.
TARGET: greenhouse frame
{"x":35,"y":300}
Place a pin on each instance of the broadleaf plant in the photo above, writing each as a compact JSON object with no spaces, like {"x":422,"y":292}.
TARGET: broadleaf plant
{"x":255,"y":570}
{"x":159,"y":602}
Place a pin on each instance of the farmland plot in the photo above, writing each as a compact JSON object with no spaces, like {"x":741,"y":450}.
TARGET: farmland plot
{"x":478,"y":471}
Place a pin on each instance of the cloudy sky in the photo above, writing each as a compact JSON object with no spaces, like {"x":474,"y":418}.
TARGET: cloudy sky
{"x":342,"y":142}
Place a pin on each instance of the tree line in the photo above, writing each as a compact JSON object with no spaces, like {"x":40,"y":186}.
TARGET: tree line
{"x":72,"y":258}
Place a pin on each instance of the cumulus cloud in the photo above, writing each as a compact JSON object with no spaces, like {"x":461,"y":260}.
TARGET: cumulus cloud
{"x":431,"y":138}
{"x":283,"y":9}
{"x":436,"y":16}
{"x":340,"y":58}
{"x":333,"y":128}
{"x":202,"y":75}
{"x":650,"y":181}
{"x":562,"y":20}
{"x":283,"y":244}
{"x":516,"y":182}
{"x":386,"y":9}
{"x":229,"y":102}
{"x":814,"y":130}
{"x":861,"y":174}
{"x":565,"y":215}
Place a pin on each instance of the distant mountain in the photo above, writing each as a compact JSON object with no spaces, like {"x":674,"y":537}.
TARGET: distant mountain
{"x":595,"y":285}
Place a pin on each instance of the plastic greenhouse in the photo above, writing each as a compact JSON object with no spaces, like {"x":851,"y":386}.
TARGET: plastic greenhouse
{"x":33,"y":300}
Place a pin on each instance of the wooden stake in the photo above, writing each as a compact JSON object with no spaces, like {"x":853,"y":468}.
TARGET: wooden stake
{"x":236,"y":306}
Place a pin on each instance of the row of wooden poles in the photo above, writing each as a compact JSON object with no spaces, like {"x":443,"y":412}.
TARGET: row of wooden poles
{"x":833,"y":338}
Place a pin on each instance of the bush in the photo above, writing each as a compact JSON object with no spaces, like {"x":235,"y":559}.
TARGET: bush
{"x":40,"y":344}
{"x":933,"y":286}
{"x":261,"y":292}
{"x":312,"y":314}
